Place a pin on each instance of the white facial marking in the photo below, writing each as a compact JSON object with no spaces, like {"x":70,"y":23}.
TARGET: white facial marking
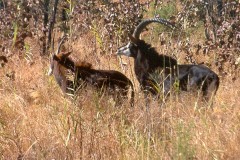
{"x":50,"y":71}
{"x":125,"y":50}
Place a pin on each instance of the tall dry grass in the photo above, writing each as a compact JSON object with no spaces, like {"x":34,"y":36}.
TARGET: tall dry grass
{"x":38,"y":122}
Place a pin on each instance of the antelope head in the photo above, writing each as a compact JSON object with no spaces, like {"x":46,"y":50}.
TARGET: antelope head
{"x":131,"y":48}
{"x":56,"y":56}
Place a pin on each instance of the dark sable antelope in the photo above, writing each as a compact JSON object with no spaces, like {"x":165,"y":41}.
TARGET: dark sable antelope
{"x":154,"y":72}
{"x":147,"y":63}
{"x":112,"y":81}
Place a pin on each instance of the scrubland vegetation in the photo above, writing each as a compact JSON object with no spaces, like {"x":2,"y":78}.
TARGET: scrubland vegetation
{"x":37,"y":121}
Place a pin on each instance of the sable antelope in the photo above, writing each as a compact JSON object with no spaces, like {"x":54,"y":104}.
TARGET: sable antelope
{"x":112,"y":81}
{"x":58,"y":71}
{"x":147,"y":62}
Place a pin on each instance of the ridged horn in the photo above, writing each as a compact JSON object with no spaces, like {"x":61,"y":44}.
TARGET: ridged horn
{"x":144,"y":23}
{"x":60,"y":43}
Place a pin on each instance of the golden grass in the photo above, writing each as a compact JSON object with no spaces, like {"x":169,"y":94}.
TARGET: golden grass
{"x":38,"y":122}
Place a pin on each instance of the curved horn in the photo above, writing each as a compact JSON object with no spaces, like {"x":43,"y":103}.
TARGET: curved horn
{"x":60,"y":43}
{"x":144,"y":23}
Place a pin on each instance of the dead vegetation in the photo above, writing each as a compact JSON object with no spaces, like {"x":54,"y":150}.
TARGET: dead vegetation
{"x":38,"y":122}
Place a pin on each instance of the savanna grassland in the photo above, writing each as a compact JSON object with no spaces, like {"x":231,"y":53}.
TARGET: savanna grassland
{"x":37,"y":121}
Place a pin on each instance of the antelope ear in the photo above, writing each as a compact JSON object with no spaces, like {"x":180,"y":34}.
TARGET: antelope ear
{"x":57,"y":57}
{"x":133,"y":39}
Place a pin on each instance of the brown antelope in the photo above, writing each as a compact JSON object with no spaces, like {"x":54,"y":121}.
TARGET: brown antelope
{"x":58,"y":71}
{"x":111,"y":81}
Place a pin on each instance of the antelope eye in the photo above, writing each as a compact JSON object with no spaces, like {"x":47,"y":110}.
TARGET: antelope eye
{"x":131,"y":45}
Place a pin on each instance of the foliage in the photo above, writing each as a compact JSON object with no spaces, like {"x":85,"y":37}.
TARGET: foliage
{"x":109,"y":21}
{"x":113,"y":19}
{"x":185,"y":150}
{"x":38,"y":122}
{"x":221,"y":30}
